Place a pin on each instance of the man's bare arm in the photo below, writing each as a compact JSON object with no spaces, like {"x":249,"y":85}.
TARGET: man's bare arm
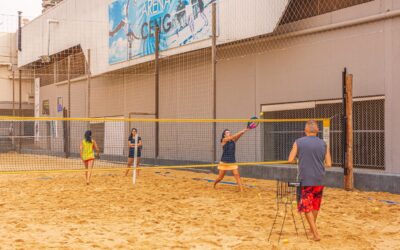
{"x":328,"y":158}
{"x":293,"y":154}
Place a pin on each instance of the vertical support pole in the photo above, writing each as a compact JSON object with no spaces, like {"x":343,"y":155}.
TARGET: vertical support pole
{"x":55,"y":72}
{"x":19,"y":71}
{"x":69,"y":85}
{"x":20,"y":111}
{"x":65,"y":132}
{"x":214,"y":76}
{"x":13,"y":109}
{"x":19,"y":30}
{"x":20,"y":93}
{"x":349,"y":179}
{"x":13,"y":93}
{"x":88,"y":73}
{"x":157,"y":88}
{"x":20,"y":79}
{"x":344,"y":122}
{"x":69,"y":106}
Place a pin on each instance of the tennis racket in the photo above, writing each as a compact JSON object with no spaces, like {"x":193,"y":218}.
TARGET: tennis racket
{"x":253,"y":123}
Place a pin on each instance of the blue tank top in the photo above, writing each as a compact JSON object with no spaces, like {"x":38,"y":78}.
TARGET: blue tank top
{"x":311,"y":152}
{"x":228,"y":154}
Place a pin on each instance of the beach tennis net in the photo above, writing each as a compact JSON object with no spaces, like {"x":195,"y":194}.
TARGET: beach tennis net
{"x":53,"y":144}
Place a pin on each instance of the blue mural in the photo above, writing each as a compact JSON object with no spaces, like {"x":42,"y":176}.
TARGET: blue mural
{"x":132,"y":25}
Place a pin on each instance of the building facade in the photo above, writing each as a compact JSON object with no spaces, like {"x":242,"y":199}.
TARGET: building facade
{"x":287,"y":67}
{"x":9,"y":79}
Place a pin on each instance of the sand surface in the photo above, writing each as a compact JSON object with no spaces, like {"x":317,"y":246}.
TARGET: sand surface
{"x":170,"y":209}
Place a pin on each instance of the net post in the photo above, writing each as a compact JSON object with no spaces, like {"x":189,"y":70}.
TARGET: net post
{"x":349,"y":179}
{"x":135,"y":155}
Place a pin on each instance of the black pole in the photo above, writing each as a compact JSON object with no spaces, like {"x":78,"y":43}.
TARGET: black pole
{"x":19,"y":31}
{"x":19,"y":71}
{"x":65,"y":132}
{"x":13,"y":91}
{"x":344,"y":122}
{"x":69,"y":106}
{"x":20,"y":82}
{"x":20,"y":109}
{"x":214,"y":76}
{"x":157,"y":88}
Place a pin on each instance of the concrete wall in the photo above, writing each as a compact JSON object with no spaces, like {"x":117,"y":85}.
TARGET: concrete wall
{"x":7,"y":47}
{"x":309,"y":68}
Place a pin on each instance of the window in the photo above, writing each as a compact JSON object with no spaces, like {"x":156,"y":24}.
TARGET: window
{"x":45,"y":107}
{"x":368,"y":130}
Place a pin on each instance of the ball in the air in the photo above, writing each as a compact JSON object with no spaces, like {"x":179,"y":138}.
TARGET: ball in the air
{"x":252,"y":125}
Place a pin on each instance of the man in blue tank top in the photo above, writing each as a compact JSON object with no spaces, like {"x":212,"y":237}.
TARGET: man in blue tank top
{"x":313,"y":156}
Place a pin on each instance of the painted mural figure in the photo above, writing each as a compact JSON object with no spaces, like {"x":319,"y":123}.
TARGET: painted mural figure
{"x":180,"y":15}
{"x":132,"y":25}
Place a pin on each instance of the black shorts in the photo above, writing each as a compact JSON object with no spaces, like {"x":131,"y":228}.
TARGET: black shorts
{"x":132,"y":153}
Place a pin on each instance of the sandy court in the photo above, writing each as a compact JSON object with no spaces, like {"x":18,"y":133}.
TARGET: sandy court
{"x":180,"y":210}
{"x":16,"y":162}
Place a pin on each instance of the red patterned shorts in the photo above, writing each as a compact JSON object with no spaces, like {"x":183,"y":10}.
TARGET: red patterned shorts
{"x":311,"y":198}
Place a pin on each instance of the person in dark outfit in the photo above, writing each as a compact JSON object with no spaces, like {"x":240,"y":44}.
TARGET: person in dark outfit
{"x":228,"y":142}
{"x":313,"y":156}
{"x":132,"y":144}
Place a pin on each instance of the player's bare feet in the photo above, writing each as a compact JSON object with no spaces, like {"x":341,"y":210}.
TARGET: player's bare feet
{"x":316,"y":237}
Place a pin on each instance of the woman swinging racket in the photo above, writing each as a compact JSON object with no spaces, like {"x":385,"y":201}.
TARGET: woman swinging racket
{"x":228,"y":143}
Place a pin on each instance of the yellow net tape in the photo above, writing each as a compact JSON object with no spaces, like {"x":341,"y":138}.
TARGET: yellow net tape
{"x":243,"y":164}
